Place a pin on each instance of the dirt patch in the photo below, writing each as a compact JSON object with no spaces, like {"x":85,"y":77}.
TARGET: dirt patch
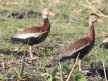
{"x":22,"y":14}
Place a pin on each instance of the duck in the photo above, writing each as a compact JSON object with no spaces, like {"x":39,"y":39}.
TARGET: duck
{"x":105,"y":42}
{"x":83,"y":46}
{"x":34,"y":34}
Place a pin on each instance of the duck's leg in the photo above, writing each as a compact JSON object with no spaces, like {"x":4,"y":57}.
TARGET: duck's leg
{"x":85,"y":72}
{"x":79,"y":63}
{"x":31,"y":53}
{"x":32,"y":58}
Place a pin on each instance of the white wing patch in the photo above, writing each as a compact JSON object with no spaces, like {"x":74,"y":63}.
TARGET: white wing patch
{"x":27,"y":35}
{"x":105,"y":40}
{"x":75,"y":50}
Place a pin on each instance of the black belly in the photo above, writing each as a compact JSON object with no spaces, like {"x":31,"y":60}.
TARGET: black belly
{"x":81,"y":53}
{"x":105,"y":45}
{"x":31,"y":40}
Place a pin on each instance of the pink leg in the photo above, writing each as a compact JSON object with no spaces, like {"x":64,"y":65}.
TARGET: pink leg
{"x":31,"y":52}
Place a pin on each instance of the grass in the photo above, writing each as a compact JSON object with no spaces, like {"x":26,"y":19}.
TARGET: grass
{"x":68,"y":25}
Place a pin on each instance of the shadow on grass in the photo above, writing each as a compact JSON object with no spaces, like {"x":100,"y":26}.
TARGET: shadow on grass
{"x":101,"y":72}
{"x":18,"y":54}
{"x":14,"y":53}
{"x":96,"y":69}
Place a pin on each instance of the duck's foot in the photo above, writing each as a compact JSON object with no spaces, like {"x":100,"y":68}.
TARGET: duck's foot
{"x":26,"y":63}
{"x":34,"y":58}
{"x":86,"y":73}
{"x":29,"y":61}
{"x":29,"y":64}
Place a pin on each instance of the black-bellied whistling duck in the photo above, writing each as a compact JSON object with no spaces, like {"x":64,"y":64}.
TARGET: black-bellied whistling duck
{"x":82,"y":46}
{"x":34,"y":34}
{"x":105,"y":42}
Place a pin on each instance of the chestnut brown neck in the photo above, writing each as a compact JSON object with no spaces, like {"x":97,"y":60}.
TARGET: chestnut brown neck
{"x":91,"y":32}
{"x":46,"y":25}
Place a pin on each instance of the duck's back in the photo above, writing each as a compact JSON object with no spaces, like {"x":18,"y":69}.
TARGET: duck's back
{"x":80,"y":47}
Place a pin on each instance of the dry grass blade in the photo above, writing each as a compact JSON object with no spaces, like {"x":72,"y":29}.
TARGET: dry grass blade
{"x":61,"y":72}
{"x":3,"y":19}
{"x":104,"y":70}
{"x":94,"y":9}
{"x":22,"y":67}
{"x":72,"y":70}
{"x":3,"y":63}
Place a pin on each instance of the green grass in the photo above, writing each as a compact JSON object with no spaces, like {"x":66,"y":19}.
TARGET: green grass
{"x":68,"y":25}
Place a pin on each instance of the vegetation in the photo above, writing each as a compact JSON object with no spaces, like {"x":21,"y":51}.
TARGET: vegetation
{"x":68,"y":25}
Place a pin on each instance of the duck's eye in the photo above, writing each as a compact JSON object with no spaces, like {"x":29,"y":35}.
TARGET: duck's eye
{"x":95,"y":17}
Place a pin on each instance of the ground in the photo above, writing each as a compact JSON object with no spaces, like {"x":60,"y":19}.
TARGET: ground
{"x":68,"y":25}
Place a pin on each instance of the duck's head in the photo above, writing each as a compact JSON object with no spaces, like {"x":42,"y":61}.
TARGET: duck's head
{"x":94,"y":18}
{"x":47,"y":12}
{"x":106,"y":36}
